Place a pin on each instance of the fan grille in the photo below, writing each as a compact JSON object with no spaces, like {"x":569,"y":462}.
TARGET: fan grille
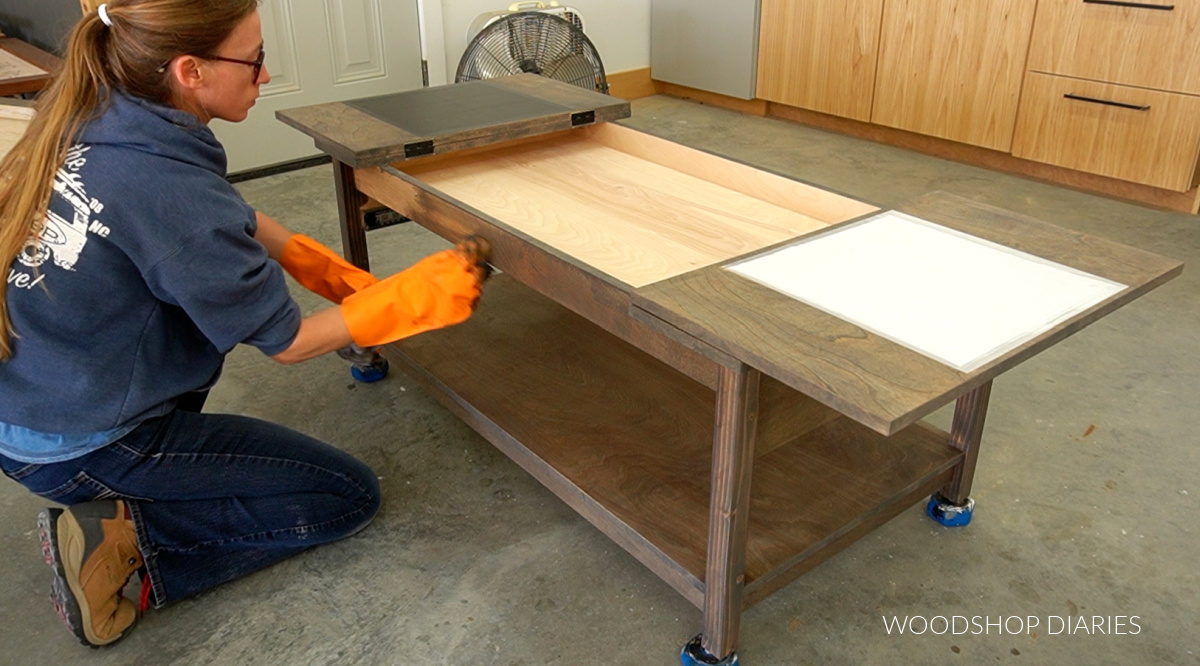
{"x":533,"y":43}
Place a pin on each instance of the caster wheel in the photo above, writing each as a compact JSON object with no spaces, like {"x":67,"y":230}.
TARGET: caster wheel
{"x":370,"y":372}
{"x":949,"y":514}
{"x":694,"y":654}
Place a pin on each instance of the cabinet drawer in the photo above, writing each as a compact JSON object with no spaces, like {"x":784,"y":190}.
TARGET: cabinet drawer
{"x":1154,"y":44}
{"x":1133,"y":134}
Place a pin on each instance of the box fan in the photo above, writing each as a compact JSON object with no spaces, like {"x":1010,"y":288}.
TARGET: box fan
{"x":533,"y":38}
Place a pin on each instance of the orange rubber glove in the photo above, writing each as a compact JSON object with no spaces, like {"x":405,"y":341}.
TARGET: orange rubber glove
{"x":440,"y":290}
{"x":321,"y":270}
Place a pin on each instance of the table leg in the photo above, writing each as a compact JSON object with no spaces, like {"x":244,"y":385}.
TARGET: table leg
{"x":952,"y":506}
{"x":729,"y":507}
{"x":350,"y":202}
{"x":965,"y":433}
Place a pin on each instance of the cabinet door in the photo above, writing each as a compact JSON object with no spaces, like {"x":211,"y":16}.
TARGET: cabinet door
{"x":1152,"y":44}
{"x":953,"y":68}
{"x":819,"y":54}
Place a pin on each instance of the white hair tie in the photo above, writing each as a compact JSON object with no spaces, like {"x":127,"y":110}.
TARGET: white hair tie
{"x":103,"y":11}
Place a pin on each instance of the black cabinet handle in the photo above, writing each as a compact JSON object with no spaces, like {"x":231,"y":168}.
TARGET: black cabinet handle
{"x":1123,"y":105}
{"x":1135,"y":5}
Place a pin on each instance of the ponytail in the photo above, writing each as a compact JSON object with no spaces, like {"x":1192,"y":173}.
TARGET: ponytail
{"x":129,"y":56}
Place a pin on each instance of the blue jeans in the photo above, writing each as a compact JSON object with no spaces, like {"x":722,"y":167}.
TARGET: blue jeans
{"x":215,"y":496}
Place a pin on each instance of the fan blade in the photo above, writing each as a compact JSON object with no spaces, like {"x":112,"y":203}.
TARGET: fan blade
{"x":534,"y":42}
{"x":575,"y":69}
{"x":495,"y":64}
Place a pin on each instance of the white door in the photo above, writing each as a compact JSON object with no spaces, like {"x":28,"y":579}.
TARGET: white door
{"x":322,"y":51}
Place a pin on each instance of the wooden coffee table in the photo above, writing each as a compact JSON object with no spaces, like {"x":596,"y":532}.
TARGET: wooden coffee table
{"x":729,"y":436}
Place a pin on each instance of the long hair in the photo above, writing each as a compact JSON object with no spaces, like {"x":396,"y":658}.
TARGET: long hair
{"x":128,"y":56}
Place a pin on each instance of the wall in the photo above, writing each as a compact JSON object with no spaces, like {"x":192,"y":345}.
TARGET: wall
{"x":43,"y":23}
{"x":620,"y":29}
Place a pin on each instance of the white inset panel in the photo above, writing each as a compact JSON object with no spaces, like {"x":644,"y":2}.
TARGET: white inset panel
{"x":956,"y":298}
{"x":356,"y":35}
{"x":279,"y":41}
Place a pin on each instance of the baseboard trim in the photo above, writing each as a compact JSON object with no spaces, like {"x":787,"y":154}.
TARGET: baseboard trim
{"x":632,"y":84}
{"x":1188,"y":202}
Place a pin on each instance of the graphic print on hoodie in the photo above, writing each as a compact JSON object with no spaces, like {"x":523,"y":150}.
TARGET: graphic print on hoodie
{"x":142,"y":275}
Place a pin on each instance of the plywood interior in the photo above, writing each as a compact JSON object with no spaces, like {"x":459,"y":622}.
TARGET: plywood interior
{"x":635,"y":219}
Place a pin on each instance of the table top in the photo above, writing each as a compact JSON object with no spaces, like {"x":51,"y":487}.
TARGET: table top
{"x":36,"y":67}
{"x":393,"y":128}
{"x":872,"y":379}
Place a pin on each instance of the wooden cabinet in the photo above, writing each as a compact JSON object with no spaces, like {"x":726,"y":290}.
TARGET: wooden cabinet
{"x":1155,"y":44}
{"x":1135,"y":134}
{"x":953,"y":68}
{"x":1050,"y":88}
{"x":819,"y":54}
{"x":1112,"y":90}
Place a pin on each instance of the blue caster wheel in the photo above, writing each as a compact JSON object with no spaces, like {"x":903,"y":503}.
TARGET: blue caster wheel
{"x":950,"y":515}
{"x":370,"y":372}
{"x":694,"y":654}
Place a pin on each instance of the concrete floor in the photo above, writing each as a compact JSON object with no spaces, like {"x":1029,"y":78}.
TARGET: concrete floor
{"x":1086,"y":488}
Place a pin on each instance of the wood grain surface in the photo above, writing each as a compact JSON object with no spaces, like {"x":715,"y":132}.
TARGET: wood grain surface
{"x":359,"y":139}
{"x":627,"y":441}
{"x":734,"y":431}
{"x":1157,"y":145}
{"x":971,"y":95}
{"x":816,"y":202}
{"x":873,"y":380}
{"x":633,"y":219}
{"x":1145,"y":47}
{"x":820,"y":54}
{"x":596,"y":297}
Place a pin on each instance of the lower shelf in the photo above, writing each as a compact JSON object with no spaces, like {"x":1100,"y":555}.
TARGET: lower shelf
{"x":627,"y":441}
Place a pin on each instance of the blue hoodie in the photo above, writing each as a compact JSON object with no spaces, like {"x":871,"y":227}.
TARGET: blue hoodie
{"x":145,"y":274}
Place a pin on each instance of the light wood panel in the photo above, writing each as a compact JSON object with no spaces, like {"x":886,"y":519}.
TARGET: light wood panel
{"x":631,"y":84}
{"x":754,"y":107}
{"x":13,"y":121}
{"x":792,"y":194}
{"x":819,"y":54}
{"x":635,"y":220}
{"x":1157,"y":146}
{"x":1151,"y":48}
{"x":953,"y":68}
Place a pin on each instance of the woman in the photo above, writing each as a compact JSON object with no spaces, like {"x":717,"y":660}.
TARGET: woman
{"x":134,"y":269}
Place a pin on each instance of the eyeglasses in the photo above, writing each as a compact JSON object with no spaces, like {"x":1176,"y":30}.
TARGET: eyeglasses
{"x":257,"y":63}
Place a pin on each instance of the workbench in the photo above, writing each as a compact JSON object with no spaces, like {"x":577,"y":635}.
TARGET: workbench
{"x":727,"y":435}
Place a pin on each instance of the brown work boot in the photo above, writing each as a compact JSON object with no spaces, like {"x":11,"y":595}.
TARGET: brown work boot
{"x":93,"y":550}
